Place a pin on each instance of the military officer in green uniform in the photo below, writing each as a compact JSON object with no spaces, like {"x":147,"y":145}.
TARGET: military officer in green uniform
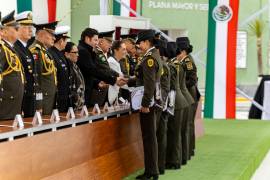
{"x":45,"y":68}
{"x":161,"y":114}
{"x":11,"y":70}
{"x":185,"y":48}
{"x":177,"y":124}
{"x":148,"y":75}
{"x":129,"y":63}
{"x":100,"y":94}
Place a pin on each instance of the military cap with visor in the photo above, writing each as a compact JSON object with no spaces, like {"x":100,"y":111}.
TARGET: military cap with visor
{"x":25,"y":18}
{"x":61,"y":32}
{"x":50,"y":27}
{"x":182,"y":42}
{"x":9,"y":20}
{"x":108,"y":35}
{"x":145,"y":35}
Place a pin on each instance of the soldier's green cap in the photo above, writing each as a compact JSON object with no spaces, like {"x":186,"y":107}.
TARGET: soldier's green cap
{"x":128,"y":36}
{"x":145,"y":35}
{"x":182,"y":42}
{"x":9,"y":20}
{"x":108,"y":35}
{"x":50,"y":27}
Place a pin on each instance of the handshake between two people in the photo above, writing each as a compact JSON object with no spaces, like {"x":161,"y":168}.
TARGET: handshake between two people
{"x":120,"y":81}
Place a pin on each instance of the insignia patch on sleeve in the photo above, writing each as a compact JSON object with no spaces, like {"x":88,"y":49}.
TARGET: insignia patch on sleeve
{"x":102,"y":58}
{"x":189,"y":66}
{"x":150,"y":62}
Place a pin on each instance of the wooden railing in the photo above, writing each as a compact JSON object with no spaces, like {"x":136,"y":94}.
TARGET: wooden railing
{"x":100,"y":146}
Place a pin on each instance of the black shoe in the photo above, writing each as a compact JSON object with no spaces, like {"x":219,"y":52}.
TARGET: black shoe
{"x":192,"y":153}
{"x":173,"y":166}
{"x":147,"y":177}
{"x":184,"y":162}
{"x":161,"y":171}
{"x":177,"y":166}
{"x":140,"y":176}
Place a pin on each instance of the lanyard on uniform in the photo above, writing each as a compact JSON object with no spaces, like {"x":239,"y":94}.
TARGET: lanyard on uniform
{"x":150,"y":49}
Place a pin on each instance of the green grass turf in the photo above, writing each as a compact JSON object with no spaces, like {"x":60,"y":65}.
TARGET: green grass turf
{"x":230,"y":150}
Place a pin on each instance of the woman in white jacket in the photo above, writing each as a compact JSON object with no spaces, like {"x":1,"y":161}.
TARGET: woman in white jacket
{"x":118,"y":52}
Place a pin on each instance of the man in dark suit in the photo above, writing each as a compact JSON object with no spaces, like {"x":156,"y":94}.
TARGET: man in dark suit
{"x":87,"y":63}
{"x":24,"y":34}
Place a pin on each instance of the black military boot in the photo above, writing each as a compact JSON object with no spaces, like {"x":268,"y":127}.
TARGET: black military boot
{"x":147,"y":177}
{"x":161,"y":171}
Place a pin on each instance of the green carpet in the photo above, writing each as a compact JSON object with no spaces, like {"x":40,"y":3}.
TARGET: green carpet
{"x":230,"y":150}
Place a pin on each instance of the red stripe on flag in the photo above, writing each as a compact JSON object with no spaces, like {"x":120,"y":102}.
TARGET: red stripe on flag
{"x":231,"y":62}
{"x":133,"y":5}
{"x":51,"y":10}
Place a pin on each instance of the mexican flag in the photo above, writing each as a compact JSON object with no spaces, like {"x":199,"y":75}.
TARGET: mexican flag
{"x":220,"y":92}
{"x":43,"y":10}
{"x":120,"y":10}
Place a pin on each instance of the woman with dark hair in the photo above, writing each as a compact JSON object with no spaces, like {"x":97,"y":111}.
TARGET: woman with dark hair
{"x":187,"y":62}
{"x":177,"y":124}
{"x":161,"y":114}
{"x":118,"y":52}
{"x":76,"y":77}
{"x":148,"y":75}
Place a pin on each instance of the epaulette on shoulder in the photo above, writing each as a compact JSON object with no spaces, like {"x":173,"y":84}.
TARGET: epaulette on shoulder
{"x":187,"y":59}
{"x":37,"y":46}
{"x":34,"y":49}
{"x":175,"y":61}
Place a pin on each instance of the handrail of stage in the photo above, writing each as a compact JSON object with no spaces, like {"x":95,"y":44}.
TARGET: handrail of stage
{"x":31,"y":131}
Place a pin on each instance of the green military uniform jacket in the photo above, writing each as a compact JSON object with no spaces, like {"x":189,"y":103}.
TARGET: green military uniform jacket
{"x":148,"y":75}
{"x":191,"y":75}
{"x":165,"y":82}
{"x":46,"y":86}
{"x":180,"y":99}
{"x":11,"y":82}
{"x":183,"y":87}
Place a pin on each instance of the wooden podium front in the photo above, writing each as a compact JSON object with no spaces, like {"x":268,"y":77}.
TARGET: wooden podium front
{"x":106,"y":149}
